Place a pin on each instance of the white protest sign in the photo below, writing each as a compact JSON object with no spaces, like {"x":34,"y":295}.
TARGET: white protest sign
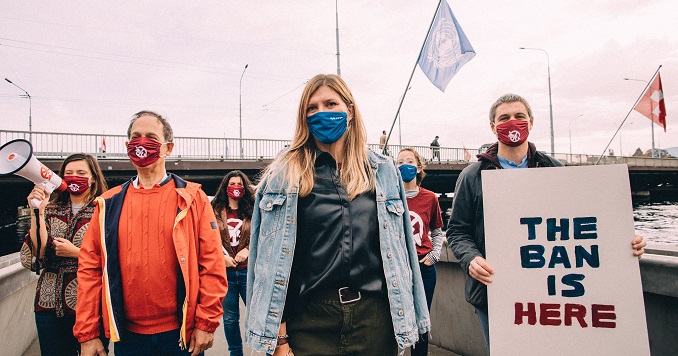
{"x":565,"y":279}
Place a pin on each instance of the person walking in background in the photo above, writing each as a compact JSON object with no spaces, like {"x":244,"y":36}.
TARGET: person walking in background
{"x":427,"y":224}
{"x":63,"y":221}
{"x":382,"y":143}
{"x":232,"y":206}
{"x":151,"y":267}
{"x":332,"y":266}
{"x":435,"y":149}
{"x":511,"y":121}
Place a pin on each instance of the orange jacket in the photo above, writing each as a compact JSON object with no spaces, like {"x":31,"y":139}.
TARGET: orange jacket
{"x":198,"y":248}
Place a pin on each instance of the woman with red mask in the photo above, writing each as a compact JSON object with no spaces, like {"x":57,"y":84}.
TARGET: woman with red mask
{"x":233,"y":206}
{"x":63,"y":221}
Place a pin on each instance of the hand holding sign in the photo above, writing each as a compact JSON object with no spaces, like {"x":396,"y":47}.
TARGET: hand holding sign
{"x":480,"y":270}
{"x":638,"y":245}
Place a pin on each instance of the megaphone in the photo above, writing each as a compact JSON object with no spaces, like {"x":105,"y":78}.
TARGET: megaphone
{"x":16,"y":157}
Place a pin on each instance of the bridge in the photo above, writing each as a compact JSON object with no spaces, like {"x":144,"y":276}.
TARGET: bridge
{"x":206,"y":160}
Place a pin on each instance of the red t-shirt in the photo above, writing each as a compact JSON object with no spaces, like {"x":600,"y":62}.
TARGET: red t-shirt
{"x":425,"y":216}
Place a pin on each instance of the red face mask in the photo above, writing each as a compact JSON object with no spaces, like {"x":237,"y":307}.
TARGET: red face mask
{"x":143,"y":151}
{"x":513,"y":132}
{"x":235,"y":191}
{"x":76,"y":185}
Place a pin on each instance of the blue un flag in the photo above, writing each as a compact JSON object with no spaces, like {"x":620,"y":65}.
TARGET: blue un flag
{"x":446,"y":49}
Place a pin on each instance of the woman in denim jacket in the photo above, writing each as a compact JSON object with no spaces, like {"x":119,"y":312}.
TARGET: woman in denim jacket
{"x":333,"y":269}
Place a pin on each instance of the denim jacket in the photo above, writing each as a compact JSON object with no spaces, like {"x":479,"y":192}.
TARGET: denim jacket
{"x":272,"y":243}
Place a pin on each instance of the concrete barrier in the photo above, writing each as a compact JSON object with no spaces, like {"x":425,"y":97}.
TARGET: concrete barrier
{"x":17,"y":293}
{"x":456,"y":328}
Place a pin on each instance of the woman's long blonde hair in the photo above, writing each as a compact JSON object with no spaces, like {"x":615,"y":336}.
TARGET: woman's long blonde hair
{"x":297,"y":162}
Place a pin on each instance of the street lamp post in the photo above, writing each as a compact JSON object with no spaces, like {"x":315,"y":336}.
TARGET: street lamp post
{"x":240,"y":109}
{"x":336,"y":11}
{"x":548,"y":66}
{"x":652,"y":109}
{"x":569,"y":130}
{"x":30,"y":108}
{"x":621,"y":150}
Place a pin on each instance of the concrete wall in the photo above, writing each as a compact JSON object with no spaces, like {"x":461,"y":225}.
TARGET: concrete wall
{"x":659,"y":273}
{"x":456,"y":328}
{"x":17,"y":292}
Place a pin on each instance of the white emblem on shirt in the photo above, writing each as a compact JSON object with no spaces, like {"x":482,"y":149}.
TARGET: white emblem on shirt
{"x":234,"y":226}
{"x":417,"y":227}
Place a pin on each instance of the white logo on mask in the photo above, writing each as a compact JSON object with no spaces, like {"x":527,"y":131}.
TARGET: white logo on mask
{"x":514,"y":136}
{"x":74,"y":187}
{"x":141,"y":152}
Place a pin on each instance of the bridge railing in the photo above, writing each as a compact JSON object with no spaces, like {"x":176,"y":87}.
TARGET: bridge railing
{"x":445,"y":154}
{"x":60,"y":145}
{"x":584,"y":160}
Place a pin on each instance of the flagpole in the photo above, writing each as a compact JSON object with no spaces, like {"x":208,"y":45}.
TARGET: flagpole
{"x":629,"y":113}
{"x":411,"y":75}
{"x":653,"y":150}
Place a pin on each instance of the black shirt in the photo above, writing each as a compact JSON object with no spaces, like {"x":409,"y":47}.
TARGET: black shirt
{"x":337,"y":239}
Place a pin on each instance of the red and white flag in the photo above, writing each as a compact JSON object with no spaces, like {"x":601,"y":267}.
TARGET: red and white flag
{"x":103,"y":144}
{"x":651,"y":103}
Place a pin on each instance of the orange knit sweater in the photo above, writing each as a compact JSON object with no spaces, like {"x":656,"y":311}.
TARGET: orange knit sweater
{"x":148,"y":262}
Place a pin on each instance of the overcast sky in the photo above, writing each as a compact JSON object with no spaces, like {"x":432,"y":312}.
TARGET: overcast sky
{"x":90,"y":65}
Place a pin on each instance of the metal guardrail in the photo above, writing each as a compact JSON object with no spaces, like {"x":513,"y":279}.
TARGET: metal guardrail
{"x":584,"y":160}
{"x":60,"y":145}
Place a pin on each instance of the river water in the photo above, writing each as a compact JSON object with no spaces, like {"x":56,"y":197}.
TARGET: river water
{"x":657,"y":222}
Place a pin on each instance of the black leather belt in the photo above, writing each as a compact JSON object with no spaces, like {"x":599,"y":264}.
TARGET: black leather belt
{"x":344,"y":295}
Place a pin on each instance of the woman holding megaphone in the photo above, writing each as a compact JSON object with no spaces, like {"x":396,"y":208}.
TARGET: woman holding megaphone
{"x":63,"y":221}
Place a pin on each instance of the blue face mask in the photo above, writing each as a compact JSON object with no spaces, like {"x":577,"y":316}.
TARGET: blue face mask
{"x":327,"y":126}
{"x":408,"y":172}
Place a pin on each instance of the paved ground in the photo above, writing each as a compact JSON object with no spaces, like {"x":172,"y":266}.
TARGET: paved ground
{"x":220,"y":347}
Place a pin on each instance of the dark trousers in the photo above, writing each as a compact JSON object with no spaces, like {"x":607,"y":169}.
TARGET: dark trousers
{"x":428,"y":276}
{"x":55,"y":335}
{"x":237,"y":288}
{"x":133,"y":344}
{"x":327,"y":327}
{"x":483,"y":318}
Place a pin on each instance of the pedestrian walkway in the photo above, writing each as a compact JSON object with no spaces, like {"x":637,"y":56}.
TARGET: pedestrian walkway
{"x":220,"y":348}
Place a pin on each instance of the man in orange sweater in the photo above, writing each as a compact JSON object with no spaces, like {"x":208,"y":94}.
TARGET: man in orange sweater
{"x":151,"y":270}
